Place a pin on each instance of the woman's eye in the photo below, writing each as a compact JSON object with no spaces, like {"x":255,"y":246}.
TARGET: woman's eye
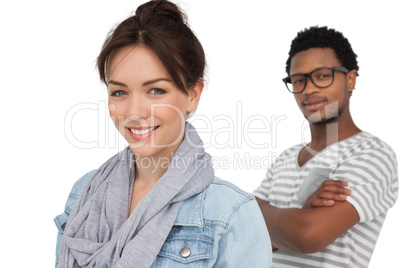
{"x":118,"y":93}
{"x":157,"y":91}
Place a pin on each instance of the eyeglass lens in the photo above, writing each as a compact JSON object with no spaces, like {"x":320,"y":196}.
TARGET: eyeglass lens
{"x":321,"y":78}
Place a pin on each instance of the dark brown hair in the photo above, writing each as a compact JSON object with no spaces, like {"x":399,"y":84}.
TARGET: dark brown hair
{"x":161,"y":26}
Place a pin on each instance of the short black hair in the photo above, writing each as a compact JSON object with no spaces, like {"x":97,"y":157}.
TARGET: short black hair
{"x":322,"y":37}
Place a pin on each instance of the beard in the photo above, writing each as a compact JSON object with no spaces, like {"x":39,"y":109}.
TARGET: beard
{"x":323,"y":117}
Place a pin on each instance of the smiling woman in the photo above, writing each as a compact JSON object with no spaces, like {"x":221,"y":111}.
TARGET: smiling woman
{"x":157,"y":203}
{"x":149,"y":109}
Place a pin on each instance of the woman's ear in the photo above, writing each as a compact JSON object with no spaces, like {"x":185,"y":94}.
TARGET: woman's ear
{"x":195,"y":95}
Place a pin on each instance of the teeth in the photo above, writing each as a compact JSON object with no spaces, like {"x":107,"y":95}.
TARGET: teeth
{"x":142,"y":131}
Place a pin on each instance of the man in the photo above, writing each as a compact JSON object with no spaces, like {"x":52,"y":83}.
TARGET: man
{"x":313,"y":220}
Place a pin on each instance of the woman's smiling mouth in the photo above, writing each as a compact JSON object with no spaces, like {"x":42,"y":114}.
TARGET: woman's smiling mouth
{"x":141,"y":133}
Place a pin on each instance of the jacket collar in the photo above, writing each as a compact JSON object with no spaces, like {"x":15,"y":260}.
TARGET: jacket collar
{"x":190,"y":214}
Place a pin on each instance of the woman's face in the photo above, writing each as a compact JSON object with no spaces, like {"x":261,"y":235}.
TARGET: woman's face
{"x":145,"y":104}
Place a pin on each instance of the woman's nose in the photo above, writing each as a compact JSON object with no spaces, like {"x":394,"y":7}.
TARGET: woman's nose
{"x":138,"y":108}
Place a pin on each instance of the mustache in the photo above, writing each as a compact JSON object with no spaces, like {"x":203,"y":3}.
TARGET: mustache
{"x":314,"y":99}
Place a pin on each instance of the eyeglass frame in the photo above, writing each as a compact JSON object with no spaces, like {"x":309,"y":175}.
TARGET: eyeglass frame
{"x":287,"y":81}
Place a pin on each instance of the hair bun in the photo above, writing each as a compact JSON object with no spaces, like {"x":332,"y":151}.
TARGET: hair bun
{"x":161,"y":8}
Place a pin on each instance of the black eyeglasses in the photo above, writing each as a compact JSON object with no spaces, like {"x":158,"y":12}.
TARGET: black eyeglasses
{"x":321,"y":78}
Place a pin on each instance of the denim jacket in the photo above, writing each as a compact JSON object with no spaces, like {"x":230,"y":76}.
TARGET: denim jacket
{"x":219,"y":227}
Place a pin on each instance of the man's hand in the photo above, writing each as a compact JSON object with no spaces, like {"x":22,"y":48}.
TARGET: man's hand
{"x":326,"y":195}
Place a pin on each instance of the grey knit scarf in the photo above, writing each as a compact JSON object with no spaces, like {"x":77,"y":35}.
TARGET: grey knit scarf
{"x":98,"y":232}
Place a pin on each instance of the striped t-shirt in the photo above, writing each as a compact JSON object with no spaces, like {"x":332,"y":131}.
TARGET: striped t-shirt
{"x":367,"y":164}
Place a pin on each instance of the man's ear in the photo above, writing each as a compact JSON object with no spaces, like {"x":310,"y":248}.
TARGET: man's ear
{"x":195,"y":95}
{"x":351,"y":80}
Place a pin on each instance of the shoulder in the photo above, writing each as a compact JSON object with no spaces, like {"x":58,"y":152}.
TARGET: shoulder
{"x":221,"y":190}
{"x":369,"y":140}
{"x":77,"y":189}
{"x":218,"y":184}
{"x":223,"y":200}
{"x":364,"y":141}
{"x":217,"y":205}
{"x":80,"y":184}
{"x":365,"y":149}
{"x":367,"y":156}
{"x":75,"y":192}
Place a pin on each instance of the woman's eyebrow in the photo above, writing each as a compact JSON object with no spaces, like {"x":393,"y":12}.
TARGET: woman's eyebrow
{"x":155,"y":80}
{"x":117,"y":83}
{"x":144,"y":84}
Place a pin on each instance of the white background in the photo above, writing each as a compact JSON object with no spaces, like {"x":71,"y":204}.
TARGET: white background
{"x":48,"y":51}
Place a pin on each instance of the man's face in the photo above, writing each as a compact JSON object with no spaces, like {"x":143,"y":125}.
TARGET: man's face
{"x":320,"y":105}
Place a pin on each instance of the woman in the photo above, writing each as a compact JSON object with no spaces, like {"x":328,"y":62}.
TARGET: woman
{"x":157,"y":203}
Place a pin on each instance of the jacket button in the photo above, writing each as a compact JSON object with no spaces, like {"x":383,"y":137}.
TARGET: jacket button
{"x":185,"y":252}
{"x":63,"y":226}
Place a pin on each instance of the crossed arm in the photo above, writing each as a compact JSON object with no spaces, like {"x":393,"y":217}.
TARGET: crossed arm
{"x":324,"y":217}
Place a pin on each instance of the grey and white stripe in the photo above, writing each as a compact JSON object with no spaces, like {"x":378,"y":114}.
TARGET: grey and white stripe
{"x":369,"y":166}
